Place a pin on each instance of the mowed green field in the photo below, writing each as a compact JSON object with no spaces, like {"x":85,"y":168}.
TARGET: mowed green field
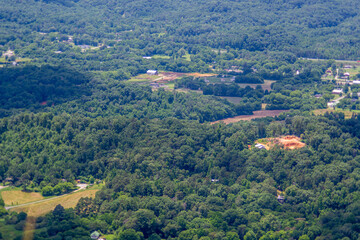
{"x":347,"y":113}
{"x":144,"y":78}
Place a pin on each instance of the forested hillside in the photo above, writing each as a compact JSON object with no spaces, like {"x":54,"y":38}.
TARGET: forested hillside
{"x":159,"y":176}
{"x":124,"y":31}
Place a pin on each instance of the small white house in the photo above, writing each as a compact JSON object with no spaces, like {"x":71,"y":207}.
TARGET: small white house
{"x":152,"y":72}
{"x":337,"y":91}
{"x":145,"y":57}
{"x":356,"y":82}
{"x":347,"y":74}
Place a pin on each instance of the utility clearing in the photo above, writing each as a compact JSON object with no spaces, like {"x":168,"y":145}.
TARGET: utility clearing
{"x":287,"y":142}
{"x":256,"y":114}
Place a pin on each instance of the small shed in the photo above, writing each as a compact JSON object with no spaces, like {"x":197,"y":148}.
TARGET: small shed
{"x":152,"y":72}
{"x":95,"y":235}
{"x":9,"y":179}
{"x":280,"y":199}
{"x":347,"y":74}
{"x":337,"y":91}
{"x":145,"y":57}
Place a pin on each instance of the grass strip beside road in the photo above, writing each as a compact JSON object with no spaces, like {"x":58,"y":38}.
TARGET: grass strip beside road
{"x":42,"y":207}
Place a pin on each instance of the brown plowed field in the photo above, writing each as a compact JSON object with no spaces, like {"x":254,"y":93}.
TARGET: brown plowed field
{"x":257,"y":114}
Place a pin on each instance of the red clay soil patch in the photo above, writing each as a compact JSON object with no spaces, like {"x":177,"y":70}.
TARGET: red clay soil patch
{"x":169,"y":76}
{"x":287,"y":142}
{"x":201,"y":74}
{"x":257,"y":114}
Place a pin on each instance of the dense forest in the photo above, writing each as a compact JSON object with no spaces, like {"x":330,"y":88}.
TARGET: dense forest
{"x":159,"y":173}
{"x":115,"y":35}
{"x":163,"y":169}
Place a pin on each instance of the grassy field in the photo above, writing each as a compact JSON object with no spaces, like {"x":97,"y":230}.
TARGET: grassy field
{"x":160,"y":57}
{"x":347,"y":113}
{"x":170,"y":85}
{"x":143,"y":78}
{"x":353,"y":71}
{"x":67,"y":201}
{"x":187,"y":57}
{"x":109,"y":237}
{"x":19,"y":197}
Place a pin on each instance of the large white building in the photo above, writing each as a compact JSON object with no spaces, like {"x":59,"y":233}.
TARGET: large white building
{"x":152,"y":72}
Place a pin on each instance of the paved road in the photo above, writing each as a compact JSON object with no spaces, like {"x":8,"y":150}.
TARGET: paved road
{"x":81,"y":187}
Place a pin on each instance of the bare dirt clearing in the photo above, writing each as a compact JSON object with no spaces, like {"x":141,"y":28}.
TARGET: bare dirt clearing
{"x":257,"y":114}
{"x":287,"y":142}
{"x":168,"y":77}
{"x":201,"y":74}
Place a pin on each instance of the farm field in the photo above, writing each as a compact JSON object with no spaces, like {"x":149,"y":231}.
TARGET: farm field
{"x":257,"y":114}
{"x":160,"y":57}
{"x":19,"y":197}
{"x":144,"y":78}
{"x":347,"y":113}
{"x":67,"y":201}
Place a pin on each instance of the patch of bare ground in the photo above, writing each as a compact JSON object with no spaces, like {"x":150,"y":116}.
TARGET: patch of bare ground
{"x":287,"y":142}
{"x":168,"y":77}
{"x":201,"y":74}
{"x":257,"y":114}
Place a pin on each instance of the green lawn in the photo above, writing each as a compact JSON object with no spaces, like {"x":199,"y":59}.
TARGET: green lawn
{"x":143,"y":78}
{"x":187,"y":57}
{"x":170,"y":85}
{"x":109,"y":237}
{"x":160,"y":57}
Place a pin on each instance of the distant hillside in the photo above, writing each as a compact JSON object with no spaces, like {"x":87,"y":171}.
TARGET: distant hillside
{"x":320,"y":29}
